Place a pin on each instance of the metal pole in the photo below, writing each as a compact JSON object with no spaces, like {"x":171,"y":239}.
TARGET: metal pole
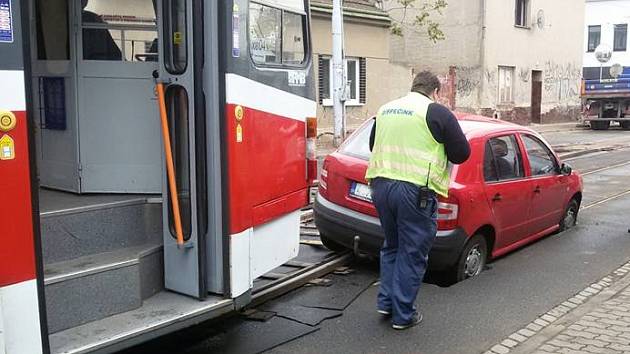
{"x":338,"y":74}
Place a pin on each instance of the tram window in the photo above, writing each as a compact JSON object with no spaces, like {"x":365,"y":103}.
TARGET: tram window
{"x":175,"y":44}
{"x":118,"y":30}
{"x":177,"y":108}
{"x":292,"y":39}
{"x":276,"y":37}
{"x":52,"y":30}
{"x":264,"y":34}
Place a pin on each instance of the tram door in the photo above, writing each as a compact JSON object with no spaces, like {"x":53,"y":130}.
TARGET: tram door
{"x":189,"y":71}
{"x":95,"y":103}
{"x":119,"y":134}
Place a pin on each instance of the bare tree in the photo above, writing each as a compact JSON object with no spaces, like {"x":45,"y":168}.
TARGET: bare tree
{"x":416,"y":15}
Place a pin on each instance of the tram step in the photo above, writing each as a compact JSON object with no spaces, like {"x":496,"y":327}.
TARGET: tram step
{"x":87,"y":225}
{"x":96,"y":286}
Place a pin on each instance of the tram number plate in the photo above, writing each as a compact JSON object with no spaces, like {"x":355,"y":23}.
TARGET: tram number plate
{"x":361,"y":191}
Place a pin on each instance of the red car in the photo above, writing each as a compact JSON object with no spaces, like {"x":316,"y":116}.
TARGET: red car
{"x":512,"y":190}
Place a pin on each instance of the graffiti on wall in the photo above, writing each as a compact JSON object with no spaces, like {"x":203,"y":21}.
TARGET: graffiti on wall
{"x":562,"y":79}
{"x":524,"y":74}
{"x":467,"y":80}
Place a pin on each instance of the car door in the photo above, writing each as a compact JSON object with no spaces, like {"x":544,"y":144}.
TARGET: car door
{"x":548,"y":185}
{"x":506,"y":189}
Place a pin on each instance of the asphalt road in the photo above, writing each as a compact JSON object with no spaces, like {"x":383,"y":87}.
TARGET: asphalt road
{"x":586,"y":137}
{"x":468,"y":317}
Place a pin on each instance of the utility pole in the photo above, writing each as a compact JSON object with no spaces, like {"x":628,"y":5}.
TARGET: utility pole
{"x":338,"y":74}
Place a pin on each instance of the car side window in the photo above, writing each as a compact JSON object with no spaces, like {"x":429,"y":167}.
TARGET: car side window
{"x":541,"y":159}
{"x":502,"y":159}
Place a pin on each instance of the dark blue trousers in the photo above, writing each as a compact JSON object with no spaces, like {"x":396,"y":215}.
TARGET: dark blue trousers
{"x":409,"y":235}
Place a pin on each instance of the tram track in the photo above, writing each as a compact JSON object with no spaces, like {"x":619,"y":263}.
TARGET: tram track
{"x":305,"y":272}
{"x":602,"y":169}
{"x":608,"y":198}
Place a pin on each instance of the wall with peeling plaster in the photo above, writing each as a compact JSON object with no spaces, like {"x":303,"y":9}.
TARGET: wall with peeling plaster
{"x":554,"y":48}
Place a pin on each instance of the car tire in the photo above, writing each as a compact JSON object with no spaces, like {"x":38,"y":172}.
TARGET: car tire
{"x":625,"y":125}
{"x":472,"y":260}
{"x":330,"y":244}
{"x":600,"y":125}
{"x":569,"y":218}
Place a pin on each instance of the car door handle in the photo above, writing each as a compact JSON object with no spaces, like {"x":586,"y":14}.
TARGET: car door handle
{"x":497,"y":197}
{"x":537,"y":189}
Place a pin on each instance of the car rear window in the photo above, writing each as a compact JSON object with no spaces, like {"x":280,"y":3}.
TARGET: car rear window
{"x":358,"y":145}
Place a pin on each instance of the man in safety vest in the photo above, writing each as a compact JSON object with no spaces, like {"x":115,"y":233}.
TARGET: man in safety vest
{"x":412,"y":141}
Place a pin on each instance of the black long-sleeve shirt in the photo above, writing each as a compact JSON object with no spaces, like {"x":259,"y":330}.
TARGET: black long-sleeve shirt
{"x":446,"y":130}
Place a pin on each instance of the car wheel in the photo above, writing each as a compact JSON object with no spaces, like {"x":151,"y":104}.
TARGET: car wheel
{"x":625,"y":125}
{"x":600,"y":125}
{"x":569,"y":219}
{"x":330,"y":244}
{"x":473,"y":258}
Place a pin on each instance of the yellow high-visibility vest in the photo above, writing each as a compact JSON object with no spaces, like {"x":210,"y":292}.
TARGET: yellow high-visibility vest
{"x":404,"y":148}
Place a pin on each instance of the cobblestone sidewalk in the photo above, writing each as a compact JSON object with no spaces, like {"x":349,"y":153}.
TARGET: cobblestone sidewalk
{"x":604,"y":330}
{"x":597,"y":320}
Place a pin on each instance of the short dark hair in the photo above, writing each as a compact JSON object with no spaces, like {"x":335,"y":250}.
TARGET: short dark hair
{"x":425,"y":82}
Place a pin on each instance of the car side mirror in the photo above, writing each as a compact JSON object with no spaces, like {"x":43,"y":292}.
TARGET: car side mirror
{"x":566,"y":169}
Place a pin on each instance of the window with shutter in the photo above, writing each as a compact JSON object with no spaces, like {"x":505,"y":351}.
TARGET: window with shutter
{"x":355,"y":78}
{"x":362,"y":80}
{"x":323,"y":80}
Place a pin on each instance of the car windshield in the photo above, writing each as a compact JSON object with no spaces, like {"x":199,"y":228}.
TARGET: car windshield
{"x":359,"y":143}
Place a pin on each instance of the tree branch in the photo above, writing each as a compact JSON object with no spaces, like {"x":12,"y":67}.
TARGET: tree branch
{"x":423,"y":21}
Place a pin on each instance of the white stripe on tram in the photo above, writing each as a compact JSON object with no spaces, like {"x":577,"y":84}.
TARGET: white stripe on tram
{"x":252,"y":94}
{"x":12,"y":92}
{"x":20,"y":316}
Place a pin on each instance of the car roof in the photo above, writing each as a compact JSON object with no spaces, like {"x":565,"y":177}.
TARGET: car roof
{"x":476,"y":126}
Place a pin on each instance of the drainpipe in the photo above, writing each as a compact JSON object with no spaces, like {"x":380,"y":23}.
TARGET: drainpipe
{"x":482,"y":55}
{"x":338,"y":74}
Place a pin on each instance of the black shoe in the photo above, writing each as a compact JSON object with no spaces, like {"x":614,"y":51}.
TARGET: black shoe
{"x":415,"y":320}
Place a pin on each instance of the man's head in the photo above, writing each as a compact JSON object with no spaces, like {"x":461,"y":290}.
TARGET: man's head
{"x":427,"y":84}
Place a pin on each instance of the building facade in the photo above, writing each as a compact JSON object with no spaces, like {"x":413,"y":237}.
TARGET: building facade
{"x":372,"y":78}
{"x":606,"y":22}
{"x":518,"y":60}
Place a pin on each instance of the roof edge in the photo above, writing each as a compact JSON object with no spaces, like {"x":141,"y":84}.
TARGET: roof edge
{"x":353,"y":12}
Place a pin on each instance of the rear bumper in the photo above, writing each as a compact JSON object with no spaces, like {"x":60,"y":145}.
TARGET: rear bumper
{"x":341,"y":225}
{"x":589,"y":119}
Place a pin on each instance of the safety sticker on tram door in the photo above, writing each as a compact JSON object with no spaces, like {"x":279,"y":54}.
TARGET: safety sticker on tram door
{"x":236,"y":31}
{"x":7,"y":148}
{"x":6,"y":22}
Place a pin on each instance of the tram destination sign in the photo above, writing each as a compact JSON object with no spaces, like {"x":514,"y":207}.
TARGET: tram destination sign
{"x":6,"y":22}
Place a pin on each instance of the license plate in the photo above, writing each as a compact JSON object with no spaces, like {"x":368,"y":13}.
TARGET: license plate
{"x":361,"y":191}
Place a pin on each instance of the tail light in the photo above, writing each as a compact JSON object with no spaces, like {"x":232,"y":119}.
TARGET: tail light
{"x":583,"y":88}
{"x":447,"y":214}
{"x":311,"y":150}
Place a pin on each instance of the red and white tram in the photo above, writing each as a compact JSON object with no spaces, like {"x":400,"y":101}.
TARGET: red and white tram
{"x":101,"y":247}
